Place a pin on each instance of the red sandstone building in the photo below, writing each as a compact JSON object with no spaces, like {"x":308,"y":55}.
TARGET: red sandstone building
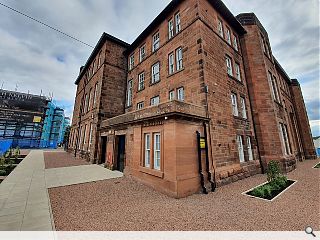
{"x":196,"y":101}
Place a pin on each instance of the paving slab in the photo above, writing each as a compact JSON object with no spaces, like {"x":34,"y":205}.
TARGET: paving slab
{"x":60,"y":177}
{"x":20,"y":195}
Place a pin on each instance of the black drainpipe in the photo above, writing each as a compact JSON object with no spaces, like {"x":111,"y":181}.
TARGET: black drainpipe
{"x":204,"y":190}
{"x":213,"y":184}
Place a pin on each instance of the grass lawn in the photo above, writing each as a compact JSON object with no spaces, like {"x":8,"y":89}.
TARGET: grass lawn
{"x":317,"y":166}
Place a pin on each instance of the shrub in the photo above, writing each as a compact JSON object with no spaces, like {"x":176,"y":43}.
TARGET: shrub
{"x":3,"y":172}
{"x":258,"y":192}
{"x":273,"y":171}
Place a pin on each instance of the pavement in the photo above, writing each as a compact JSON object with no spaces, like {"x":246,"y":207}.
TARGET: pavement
{"x":24,"y":200}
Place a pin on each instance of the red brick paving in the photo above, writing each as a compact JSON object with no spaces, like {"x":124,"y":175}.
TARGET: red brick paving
{"x":61,"y":159}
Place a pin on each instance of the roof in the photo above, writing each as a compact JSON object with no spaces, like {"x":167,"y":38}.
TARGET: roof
{"x":251,"y":19}
{"x":282,"y":71}
{"x":217,"y":4}
{"x":103,"y":39}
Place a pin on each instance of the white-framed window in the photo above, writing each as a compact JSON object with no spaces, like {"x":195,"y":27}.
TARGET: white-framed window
{"x":142,"y":53}
{"x":171,"y":63}
{"x":155,"y":73}
{"x":129,"y":93}
{"x":238,"y":71}
{"x":235,"y":42}
{"x":170,"y":28}
{"x":220,"y":28}
{"x":172,"y":95}
{"x":131,"y":62}
{"x":89,"y":101}
{"x":228,"y":35}
{"x":155,"y":101}
{"x":80,"y":140}
{"x":157,"y":151}
{"x":180,"y":93}
{"x":90,"y":137}
{"x":243,"y":107}
{"x":140,"y":105}
{"x":84,"y":137}
{"x":249,"y":147}
{"x":240,"y":148}
{"x":178,"y":23}
{"x":141,"y":78}
{"x":99,"y":59}
{"x":234,"y":105}
{"x":155,"y":41}
{"x":86,"y":103}
{"x":95,"y":94}
{"x":94,"y":67}
{"x":229,"y":65}
{"x":285,"y":138}
{"x":179,"y":58}
{"x":147,"y":147}
{"x":274,"y":88}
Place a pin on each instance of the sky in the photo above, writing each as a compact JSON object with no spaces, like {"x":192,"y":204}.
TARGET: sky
{"x":34,"y":58}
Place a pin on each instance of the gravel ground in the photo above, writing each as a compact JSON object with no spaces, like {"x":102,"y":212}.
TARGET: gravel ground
{"x":62,"y":159}
{"x":123,"y":205}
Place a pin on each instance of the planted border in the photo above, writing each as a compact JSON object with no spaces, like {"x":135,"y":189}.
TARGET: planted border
{"x":267,"y":190}
{"x":317,"y":166}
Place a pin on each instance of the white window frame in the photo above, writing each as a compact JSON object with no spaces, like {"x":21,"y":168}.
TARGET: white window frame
{"x":243,"y":108}
{"x":228,"y":35}
{"x":147,"y":151}
{"x":95,"y":94}
{"x":171,"y":28}
{"x":238,"y":72}
{"x":99,"y":59}
{"x":180,"y":94}
{"x":178,"y":22}
{"x":131,"y":62}
{"x":89,"y":100}
{"x":140,"y":105}
{"x":249,"y":147}
{"x":90,"y":137}
{"x":179,"y":59}
{"x":157,"y":151}
{"x":155,"y":74}
{"x":234,"y":103}
{"x":155,"y":101}
{"x":235,"y":43}
{"x":129,"y":93}
{"x":141,"y":81}
{"x":240,"y":148}
{"x":86,"y":103}
{"x":220,"y":28}
{"x":285,"y":139}
{"x":156,"y":41}
{"x":172,"y":95}
{"x":84,"y":137}
{"x":229,"y":66}
{"x":142,"y":53}
{"x":273,"y":85}
{"x":171,"y":63}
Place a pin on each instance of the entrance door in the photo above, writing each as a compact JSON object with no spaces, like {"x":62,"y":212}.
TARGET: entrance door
{"x":103,"y":150}
{"x":121,"y":152}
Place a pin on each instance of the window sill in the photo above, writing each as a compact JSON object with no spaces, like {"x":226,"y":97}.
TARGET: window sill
{"x":151,"y":84}
{"x":240,"y":118}
{"x":151,"y":172}
{"x":235,"y":79}
{"x":280,"y":105}
{"x":176,"y":72}
{"x":141,"y":90}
